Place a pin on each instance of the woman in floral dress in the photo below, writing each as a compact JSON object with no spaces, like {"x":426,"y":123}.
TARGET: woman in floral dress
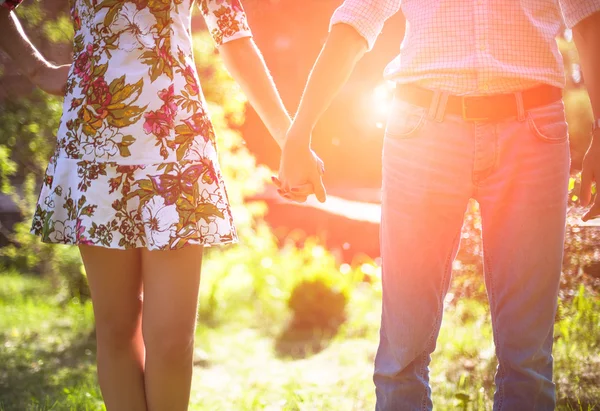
{"x":134,"y":181}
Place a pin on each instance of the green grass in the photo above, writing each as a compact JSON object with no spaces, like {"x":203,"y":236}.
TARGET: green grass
{"x":47,"y":357}
{"x":46,"y":350}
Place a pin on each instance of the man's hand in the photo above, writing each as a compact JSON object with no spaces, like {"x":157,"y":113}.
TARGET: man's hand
{"x":589,"y":174}
{"x":300,"y":171}
{"x":51,"y":79}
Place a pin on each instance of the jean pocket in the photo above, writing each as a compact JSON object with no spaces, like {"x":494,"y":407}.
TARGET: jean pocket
{"x":404,"y":120}
{"x":548,"y":123}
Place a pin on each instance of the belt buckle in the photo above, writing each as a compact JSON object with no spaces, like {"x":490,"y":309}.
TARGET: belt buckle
{"x":465,"y":115}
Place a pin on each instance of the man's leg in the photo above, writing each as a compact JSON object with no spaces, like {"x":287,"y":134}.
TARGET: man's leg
{"x":426,"y":188}
{"x":523,"y":203}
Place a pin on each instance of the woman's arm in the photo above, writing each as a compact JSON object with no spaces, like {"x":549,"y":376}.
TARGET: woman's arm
{"x":355,"y":26}
{"x":13,"y":40}
{"x":227,"y":23}
{"x":244,"y":62}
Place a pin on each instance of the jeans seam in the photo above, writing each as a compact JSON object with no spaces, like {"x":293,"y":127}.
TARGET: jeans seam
{"x":496,"y":150}
{"x":492,"y":299}
{"x":437,"y":324}
{"x":422,"y":374}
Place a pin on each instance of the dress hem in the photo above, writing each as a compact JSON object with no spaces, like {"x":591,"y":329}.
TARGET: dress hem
{"x":207,"y":244}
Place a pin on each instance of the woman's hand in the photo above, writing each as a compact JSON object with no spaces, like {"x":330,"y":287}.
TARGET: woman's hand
{"x":300,"y":171}
{"x":51,"y":79}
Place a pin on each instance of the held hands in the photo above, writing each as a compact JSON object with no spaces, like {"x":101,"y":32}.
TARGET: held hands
{"x":301,"y":170}
{"x":51,"y":79}
{"x":589,"y":174}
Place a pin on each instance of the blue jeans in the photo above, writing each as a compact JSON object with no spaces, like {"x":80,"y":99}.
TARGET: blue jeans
{"x":518,"y":171}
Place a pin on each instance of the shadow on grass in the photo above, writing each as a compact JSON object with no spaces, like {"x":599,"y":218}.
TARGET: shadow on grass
{"x":42,"y":376}
{"x":299,"y":341}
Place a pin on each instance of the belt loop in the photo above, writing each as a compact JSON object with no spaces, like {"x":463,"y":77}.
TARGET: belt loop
{"x":441,"y":109}
{"x":520,"y":106}
{"x":433,"y":108}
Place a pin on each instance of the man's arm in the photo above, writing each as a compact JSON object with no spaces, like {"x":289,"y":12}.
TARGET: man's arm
{"x":246,"y":65}
{"x":300,"y":171}
{"x":355,"y":27}
{"x":587,"y":39}
{"x":343,"y":49}
{"x":14,"y":42}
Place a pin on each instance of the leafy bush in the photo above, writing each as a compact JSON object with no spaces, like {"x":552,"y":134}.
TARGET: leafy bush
{"x":260,"y":276}
{"x":316,"y":304}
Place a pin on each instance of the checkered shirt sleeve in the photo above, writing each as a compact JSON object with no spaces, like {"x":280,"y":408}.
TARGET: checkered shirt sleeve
{"x":366,"y":16}
{"x":574,"y":11}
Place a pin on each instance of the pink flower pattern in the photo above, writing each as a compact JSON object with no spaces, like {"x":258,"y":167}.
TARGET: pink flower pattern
{"x":10,"y":4}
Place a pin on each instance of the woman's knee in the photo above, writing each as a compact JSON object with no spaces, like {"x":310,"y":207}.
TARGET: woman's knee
{"x":169,"y":342}
{"x":118,"y":328}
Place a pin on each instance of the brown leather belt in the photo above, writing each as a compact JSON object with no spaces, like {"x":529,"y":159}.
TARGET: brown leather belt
{"x":482,"y":108}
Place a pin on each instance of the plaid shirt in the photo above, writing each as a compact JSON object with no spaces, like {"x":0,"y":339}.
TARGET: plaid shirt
{"x":472,"y":46}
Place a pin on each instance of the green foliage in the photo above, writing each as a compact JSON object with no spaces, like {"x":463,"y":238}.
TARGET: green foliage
{"x":27,"y":135}
{"x":7,"y":169}
{"x":27,"y":131}
{"x":576,"y":349}
{"x":32,"y":13}
{"x":59,"y":30}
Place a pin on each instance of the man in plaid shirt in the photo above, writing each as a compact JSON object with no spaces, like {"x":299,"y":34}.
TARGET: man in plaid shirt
{"x":477,"y":114}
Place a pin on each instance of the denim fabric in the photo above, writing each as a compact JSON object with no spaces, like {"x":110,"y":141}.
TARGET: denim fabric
{"x":518,"y":171}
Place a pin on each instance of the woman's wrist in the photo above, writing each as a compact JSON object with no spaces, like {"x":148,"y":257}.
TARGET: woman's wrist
{"x":280,"y":131}
{"x":298,"y":138}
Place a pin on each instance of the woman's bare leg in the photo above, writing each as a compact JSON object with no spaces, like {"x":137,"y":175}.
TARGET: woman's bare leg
{"x":115,"y":281}
{"x":171,"y":283}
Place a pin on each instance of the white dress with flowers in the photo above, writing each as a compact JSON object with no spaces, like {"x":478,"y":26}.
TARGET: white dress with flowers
{"x":136,"y":163}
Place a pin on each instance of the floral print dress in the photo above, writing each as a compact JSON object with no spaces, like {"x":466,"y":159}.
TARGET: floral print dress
{"x":9,"y":4}
{"x":136,"y":163}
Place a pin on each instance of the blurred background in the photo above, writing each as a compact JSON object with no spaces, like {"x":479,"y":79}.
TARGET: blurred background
{"x":289,"y":318}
